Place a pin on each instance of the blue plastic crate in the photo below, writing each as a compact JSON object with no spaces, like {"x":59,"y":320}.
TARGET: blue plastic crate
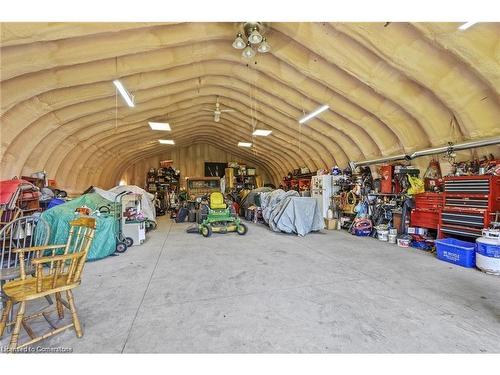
{"x":457,"y":252}
{"x":362,"y":232}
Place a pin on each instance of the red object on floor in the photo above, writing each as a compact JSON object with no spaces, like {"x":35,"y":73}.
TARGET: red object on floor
{"x":12,"y":190}
{"x":7,"y":189}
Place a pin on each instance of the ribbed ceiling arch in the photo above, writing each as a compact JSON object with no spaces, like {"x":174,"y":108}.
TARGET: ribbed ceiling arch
{"x":391,"y":88}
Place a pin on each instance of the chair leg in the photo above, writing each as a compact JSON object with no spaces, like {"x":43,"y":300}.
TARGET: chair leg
{"x":76,"y":321}
{"x":59,"y":305}
{"x":10,"y":319}
{"x":5,"y":316}
{"x":17,"y":326}
{"x":3,"y":297}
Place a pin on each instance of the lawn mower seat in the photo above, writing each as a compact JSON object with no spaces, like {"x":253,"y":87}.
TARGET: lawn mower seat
{"x":217,"y":201}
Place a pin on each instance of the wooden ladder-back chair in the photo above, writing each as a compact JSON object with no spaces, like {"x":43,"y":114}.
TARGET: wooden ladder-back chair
{"x":58,"y":268}
{"x":9,"y":215}
{"x":23,"y":232}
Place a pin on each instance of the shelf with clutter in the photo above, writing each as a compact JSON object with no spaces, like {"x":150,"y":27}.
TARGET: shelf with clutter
{"x":164,"y":183}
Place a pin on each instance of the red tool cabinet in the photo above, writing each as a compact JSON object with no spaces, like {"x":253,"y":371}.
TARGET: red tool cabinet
{"x":426,"y":211}
{"x":470,"y":203}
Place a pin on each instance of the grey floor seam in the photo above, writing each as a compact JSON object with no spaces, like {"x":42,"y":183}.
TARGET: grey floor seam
{"x":147,"y":287}
{"x":255,"y":293}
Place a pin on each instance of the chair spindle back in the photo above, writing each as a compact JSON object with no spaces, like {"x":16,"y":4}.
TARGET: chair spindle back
{"x":21,"y":233}
{"x":55,"y":270}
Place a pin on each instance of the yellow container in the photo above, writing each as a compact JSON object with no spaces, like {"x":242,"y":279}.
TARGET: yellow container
{"x":331,"y":224}
{"x":229,"y":176}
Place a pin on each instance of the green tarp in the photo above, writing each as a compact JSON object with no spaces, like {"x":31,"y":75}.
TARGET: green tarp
{"x":60,"y":216}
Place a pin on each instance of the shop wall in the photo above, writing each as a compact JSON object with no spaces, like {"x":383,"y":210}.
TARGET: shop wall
{"x":423,"y":162}
{"x":189,"y":160}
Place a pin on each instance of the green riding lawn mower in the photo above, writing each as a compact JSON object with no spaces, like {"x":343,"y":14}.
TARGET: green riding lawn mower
{"x":217,"y":217}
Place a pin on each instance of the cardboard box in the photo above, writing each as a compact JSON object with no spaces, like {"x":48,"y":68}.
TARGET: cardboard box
{"x":331,"y":224}
{"x":416,"y":230}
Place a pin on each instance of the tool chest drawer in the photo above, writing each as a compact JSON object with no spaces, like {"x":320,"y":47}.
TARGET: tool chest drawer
{"x":453,"y":230}
{"x":429,"y":200}
{"x":467,"y":202}
{"x":469,"y":205}
{"x":463,"y":218}
{"x":467,"y":186}
{"x":424,"y":218}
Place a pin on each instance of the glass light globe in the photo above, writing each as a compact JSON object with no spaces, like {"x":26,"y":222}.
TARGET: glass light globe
{"x":239,"y":43}
{"x":264,"y":46}
{"x":248,"y":52}
{"x":255,"y":36}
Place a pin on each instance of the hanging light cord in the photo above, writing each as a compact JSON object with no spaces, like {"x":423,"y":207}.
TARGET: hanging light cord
{"x":116,"y":96}
{"x":253,"y":110}
{"x":116,"y":109}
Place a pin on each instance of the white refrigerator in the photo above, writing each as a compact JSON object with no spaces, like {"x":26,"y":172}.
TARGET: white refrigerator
{"x":322,"y":189}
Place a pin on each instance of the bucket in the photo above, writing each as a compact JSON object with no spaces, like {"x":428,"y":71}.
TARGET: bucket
{"x":392,"y":238}
{"x":382,"y":235}
{"x":393,"y":231}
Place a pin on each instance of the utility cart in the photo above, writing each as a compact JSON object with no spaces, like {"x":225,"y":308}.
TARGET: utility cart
{"x":132,"y":220}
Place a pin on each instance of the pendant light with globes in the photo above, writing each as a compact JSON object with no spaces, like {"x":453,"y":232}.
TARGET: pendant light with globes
{"x":251,"y":39}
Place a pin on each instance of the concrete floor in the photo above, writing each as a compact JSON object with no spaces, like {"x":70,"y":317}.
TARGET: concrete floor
{"x":268,"y":292}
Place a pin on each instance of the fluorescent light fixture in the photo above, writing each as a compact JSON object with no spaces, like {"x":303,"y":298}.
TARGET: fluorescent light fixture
{"x":129,"y":99}
{"x":262,"y":133}
{"x":166,"y":141}
{"x":244,"y":144}
{"x":314,"y":113}
{"x":165,"y":126}
{"x":466,"y":25}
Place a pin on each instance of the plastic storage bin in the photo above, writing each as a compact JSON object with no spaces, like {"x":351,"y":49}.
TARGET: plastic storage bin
{"x":457,"y":252}
{"x":362,"y":232}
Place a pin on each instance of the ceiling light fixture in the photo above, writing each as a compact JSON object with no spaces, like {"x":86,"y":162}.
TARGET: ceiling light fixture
{"x":239,"y":43}
{"x":262,"y":133}
{"x":255,"y":37}
{"x":129,"y":99}
{"x":244,"y":144}
{"x":250,"y":37}
{"x":264,"y":46}
{"x":166,"y":141}
{"x":466,"y":25}
{"x":248,"y":52}
{"x":314,"y":113}
{"x":164,"y":126}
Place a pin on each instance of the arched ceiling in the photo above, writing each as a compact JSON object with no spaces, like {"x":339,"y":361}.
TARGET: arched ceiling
{"x":391,"y":88}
